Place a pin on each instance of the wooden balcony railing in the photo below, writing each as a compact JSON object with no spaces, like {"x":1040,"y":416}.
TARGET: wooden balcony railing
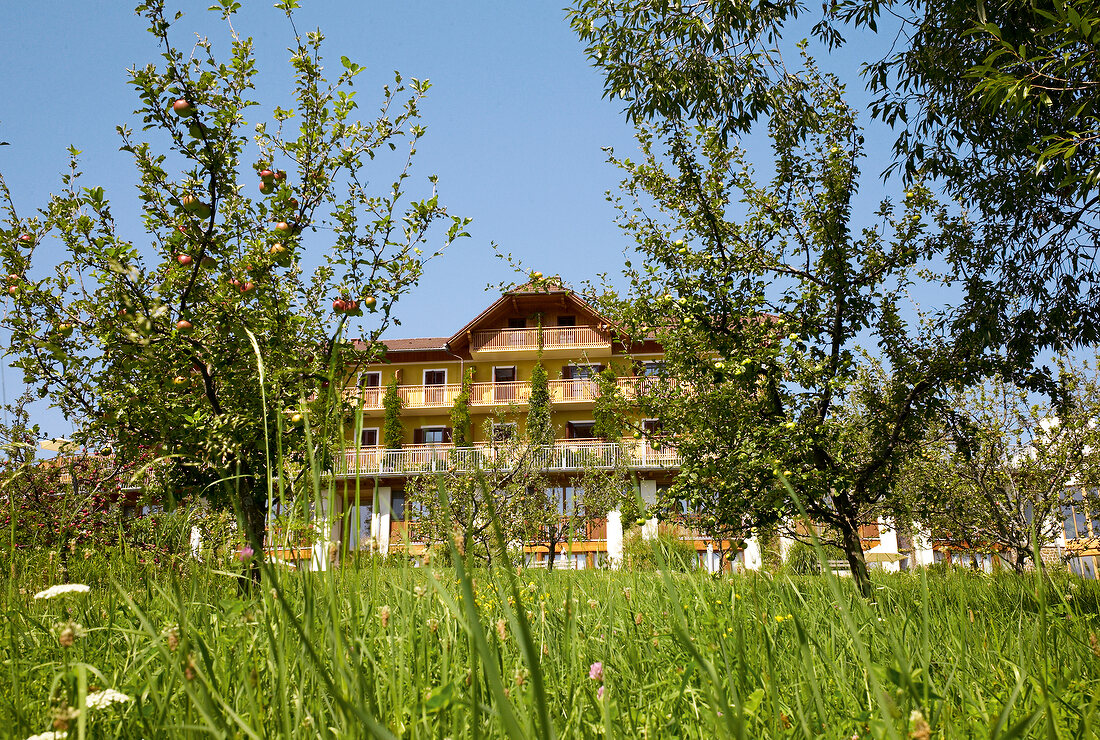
{"x":553,"y":337}
{"x":563,"y":455}
{"x":494,"y":394}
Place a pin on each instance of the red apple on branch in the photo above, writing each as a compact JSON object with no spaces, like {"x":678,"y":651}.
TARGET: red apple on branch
{"x":183,"y":326}
{"x":184,"y":259}
{"x":284,"y":228}
{"x":183,"y":108}
{"x":267,"y":175}
{"x":26,"y":240}
{"x":267,"y":187}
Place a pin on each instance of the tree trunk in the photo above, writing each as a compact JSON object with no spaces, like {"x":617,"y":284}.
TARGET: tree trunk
{"x":1021,"y":559}
{"x":853,"y":550}
{"x":255,"y":526}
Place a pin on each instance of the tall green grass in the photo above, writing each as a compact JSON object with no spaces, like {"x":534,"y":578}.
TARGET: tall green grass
{"x":408,"y":652}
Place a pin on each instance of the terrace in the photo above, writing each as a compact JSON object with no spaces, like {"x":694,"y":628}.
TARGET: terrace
{"x":562,"y":392}
{"x":557,"y":341}
{"x":565,"y":455}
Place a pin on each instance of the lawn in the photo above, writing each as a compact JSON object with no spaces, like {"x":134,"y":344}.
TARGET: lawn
{"x":435,"y":652}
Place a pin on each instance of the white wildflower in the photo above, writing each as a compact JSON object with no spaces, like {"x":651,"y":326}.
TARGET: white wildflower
{"x":105,"y":698}
{"x":63,"y":588}
{"x":51,"y":735}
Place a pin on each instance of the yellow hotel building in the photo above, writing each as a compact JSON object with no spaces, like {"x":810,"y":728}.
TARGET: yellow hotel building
{"x":501,"y":347}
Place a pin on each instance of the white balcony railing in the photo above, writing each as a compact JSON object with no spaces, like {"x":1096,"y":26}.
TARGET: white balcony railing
{"x":553,"y":337}
{"x":564,"y":455}
{"x":495,"y":394}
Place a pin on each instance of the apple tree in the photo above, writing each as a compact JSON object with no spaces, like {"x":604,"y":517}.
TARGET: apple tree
{"x":776,"y":302}
{"x":994,"y":105}
{"x":212,"y":332}
{"x":1002,"y":464}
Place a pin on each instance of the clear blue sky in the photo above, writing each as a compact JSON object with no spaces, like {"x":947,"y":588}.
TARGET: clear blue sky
{"x":516,"y":123}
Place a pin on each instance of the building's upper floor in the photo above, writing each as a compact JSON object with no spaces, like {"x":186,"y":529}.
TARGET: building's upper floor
{"x":499,"y":348}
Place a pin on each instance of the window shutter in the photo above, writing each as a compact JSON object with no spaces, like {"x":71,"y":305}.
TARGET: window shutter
{"x":567,"y":372}
{"x":446,"y":435}
{"x":418,"y":436}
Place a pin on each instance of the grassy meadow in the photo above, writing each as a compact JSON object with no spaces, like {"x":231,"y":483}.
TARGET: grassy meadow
{"x":373,"y":651}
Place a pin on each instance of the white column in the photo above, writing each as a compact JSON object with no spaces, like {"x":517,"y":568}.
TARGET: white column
{"x":196,"y":543}
{"x":326,"y":525}
{"x":753,"y":558}
{"x":923,"y":554}
{"x":383,"y":513}
{"x":649,"y":497}
{"x":785,"y":545}
{"x":710,"y":558}
{"x":615,"y":539}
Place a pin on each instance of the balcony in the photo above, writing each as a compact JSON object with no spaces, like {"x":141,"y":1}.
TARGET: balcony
{"x":489,"y":395}
{"x":557,"y":342}
{"x":565,"y":455}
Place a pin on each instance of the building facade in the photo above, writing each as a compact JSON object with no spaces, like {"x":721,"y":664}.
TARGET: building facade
{"x":499,"y":349}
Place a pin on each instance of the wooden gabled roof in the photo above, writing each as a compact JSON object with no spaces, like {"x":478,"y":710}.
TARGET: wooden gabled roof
{"x":524,"y":300}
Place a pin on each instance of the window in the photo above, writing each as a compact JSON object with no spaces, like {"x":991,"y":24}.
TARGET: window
{"x":435,"y":391}
{"x":565,"y":499}
{"x":368,"y":437}
{"x":435,"y":435}
{"x":357,"y":526}
{"x":583,"y":387}
{"x":580,"y":430}
{"x":571,"y":561}
{"x":397,"y":506}
{"x":504,"y":432}
{"x":651,"y":369}
{"x":370,"y":389}
{"x":516,"y":337}
{"x":566,"y":335}
{"x":651,"y":426}
{"x":505,"y":378}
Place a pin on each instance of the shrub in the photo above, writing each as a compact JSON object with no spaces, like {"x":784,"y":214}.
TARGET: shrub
{"x":643,"y":554}
{"x":802,"y":559}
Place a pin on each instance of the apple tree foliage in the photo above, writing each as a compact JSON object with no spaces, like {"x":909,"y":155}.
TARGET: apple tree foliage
{"x":995,"y":105}
{"x":212,"y":334}
{"x":770,"y":299}
{"x":1000,"y":467}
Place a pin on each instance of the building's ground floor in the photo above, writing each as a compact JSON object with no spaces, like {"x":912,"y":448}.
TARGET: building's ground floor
{"x":373,"y":515}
